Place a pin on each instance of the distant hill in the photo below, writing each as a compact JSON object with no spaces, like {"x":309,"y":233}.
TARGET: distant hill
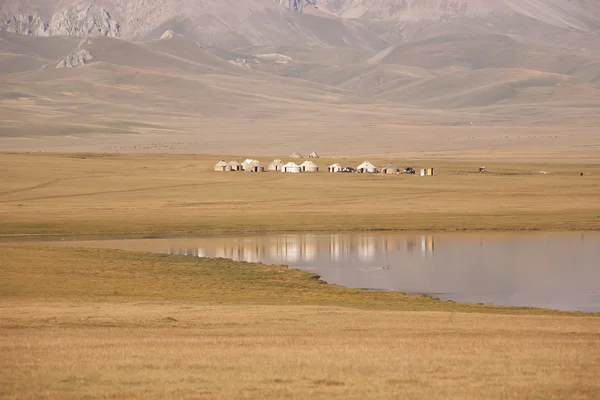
{"x":73,"y":67}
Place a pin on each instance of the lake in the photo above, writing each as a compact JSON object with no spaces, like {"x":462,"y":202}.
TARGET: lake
{"x":547,"y":270}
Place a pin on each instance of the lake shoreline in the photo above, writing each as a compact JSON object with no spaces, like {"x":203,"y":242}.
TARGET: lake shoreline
{"x":224,"y":232}
{"x":537,"y":273}
{"x":245,"y":282}
{"x":210,"y":234}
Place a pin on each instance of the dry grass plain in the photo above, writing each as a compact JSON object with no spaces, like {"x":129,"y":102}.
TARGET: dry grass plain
{"x":125,"y":194}
{"x":182,"y":350}
{"x":98,"y":324}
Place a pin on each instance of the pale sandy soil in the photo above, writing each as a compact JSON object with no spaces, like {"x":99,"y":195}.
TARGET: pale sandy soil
{"x":504,"y":143}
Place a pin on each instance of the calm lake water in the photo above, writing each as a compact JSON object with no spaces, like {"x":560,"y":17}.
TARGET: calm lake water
{"x":547,"y":270}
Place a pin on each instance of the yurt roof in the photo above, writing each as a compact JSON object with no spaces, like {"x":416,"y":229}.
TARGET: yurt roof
{"x":314,"y":154}
{"x":232,"y":163}
{"x":255,"y":163}
{"x":248,"y":161}
{"x":366,"y":164}
{"x":292,"y":164}
{"x":391,"y":166}
{"x":296,"y":155}
{"x":335,"y":165}
{"x":221,"y":164}
{"x":276,"y":162}
{"x":308,"y":163}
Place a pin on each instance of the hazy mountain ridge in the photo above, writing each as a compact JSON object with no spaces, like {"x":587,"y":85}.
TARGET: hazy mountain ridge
{"x":577,"y":14}
{"x":285,"y":61}
{"x":260,"y":20}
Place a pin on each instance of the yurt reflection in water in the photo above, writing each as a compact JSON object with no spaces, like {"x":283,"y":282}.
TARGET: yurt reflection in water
{"x":367,"y":248}
{"x":240,"y":250}
{"x":293,"y":249}
{"x":195,"y":252}
{"x":339,"y":247}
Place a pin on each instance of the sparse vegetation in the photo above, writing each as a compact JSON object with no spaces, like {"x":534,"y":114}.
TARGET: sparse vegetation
{"x":107,"y":323}
{"x":101,"y":274}
{"x":111,"y":194}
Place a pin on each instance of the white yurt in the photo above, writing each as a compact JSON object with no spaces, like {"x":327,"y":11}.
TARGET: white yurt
{"x":309,"y":166}
{"x":366,"y":167}
{"x":234,"y":166}
{"x":291,"y":167}
{"x":255,"y":166}
{"x":246,"y":163}
{"x":221,"y":166}
{"x":335,"y":168}
{"x":276,"y":165}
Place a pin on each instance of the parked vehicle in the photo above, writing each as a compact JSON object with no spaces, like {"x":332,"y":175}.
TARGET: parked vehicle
{"x":409,"y":171}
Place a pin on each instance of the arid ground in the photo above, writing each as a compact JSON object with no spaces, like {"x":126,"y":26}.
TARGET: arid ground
{"x":84,"y":323}
{"x":112,"y":194}
{"x":91,"y":323}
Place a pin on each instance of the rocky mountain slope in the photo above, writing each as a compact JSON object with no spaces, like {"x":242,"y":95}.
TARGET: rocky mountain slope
{"x":78,"y":65}
{"x":576,"y":14}
{"x":313,"y":22}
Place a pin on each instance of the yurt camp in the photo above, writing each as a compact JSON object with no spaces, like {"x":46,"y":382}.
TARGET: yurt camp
{"x":335,"y":168}
{"x":291,"y":168}
{"x":309,"y":166}
{"x":366,"y":167}
{"x":275,"y":165}
{"x":221,"y":166}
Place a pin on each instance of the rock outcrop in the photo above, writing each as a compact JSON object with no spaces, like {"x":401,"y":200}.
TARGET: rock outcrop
{"x":168,"y":34}
{"x":273,"y":57}
{"x":27,"y":24}
{"x":241,"y":62}
{"x":77,"y":58}
{"x":84,"y":19}
{"x":81,"y":19}
{"x":297,"y":5}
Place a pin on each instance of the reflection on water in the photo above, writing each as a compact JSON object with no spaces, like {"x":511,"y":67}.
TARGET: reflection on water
{"x":550,"y":270}
{"x":307,"y":248}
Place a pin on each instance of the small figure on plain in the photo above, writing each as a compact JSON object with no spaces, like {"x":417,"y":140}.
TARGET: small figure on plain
{"x":581,"y":174}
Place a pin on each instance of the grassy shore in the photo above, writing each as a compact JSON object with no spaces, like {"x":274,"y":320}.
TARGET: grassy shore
{"x":91,"y":274}
{"x":103,"y":194}
{"x":89,"y":323}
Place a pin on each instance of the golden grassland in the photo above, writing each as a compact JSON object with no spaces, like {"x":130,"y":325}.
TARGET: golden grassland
{"x":181,"y":350}
{"x":89,"y":323}
{"x":98,"y":324}
{"x":113,"y":194}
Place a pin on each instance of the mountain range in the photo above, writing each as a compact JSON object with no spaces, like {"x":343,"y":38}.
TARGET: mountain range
{"x":297,"y":71}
